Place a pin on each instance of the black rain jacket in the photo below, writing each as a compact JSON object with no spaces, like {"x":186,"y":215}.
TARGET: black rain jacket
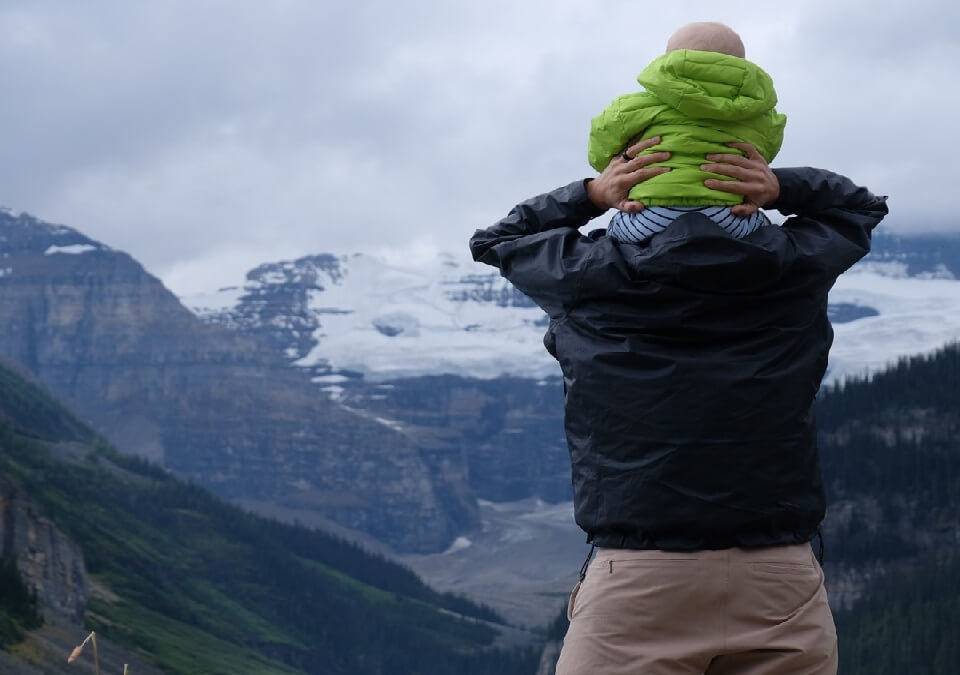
{"x":690,"y":361}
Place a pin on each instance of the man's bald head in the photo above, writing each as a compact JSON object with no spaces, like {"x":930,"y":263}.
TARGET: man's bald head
{"x":707,"y":36}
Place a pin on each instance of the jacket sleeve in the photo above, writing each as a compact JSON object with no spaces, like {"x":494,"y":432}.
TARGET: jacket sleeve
{"x":834,"y":218}
{"x":538,"y":246}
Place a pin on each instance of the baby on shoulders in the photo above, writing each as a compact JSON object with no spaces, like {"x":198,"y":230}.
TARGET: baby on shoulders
{"x":699,"y":95}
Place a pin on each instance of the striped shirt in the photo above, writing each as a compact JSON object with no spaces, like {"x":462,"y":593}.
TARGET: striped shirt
{"x":636,"y":227}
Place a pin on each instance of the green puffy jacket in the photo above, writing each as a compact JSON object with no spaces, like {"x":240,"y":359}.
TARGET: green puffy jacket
{"x":697,"y":102}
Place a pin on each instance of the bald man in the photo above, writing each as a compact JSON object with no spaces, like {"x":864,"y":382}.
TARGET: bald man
{"x":690,"y":359}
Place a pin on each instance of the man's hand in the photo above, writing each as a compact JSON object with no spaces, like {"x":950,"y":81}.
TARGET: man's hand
{"x":754,"y":178}
{"x":611,"y":188}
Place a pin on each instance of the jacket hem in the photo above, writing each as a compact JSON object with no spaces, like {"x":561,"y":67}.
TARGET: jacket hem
{"x":704,"y":542}
{"x":688,"y":201}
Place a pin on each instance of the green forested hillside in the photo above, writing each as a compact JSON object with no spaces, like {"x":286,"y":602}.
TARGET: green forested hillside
{"x":907,"y":624}
{"x":890,"y":447}
{"x":925,"y":382}
{"x":201,"y":586}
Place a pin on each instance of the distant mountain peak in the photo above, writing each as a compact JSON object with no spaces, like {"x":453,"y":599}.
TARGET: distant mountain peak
{"x":24,"y":234}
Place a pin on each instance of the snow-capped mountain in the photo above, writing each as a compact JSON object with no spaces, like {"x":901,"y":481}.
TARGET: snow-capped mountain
{"x":343,"y":317}
{"x":360,"y":315}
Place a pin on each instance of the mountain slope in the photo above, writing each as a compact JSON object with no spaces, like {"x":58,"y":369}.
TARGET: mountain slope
{"x":212,"y":405}
{"x":907,"y":624}
{"x":890,"y":452}
{"x":197,"y":585}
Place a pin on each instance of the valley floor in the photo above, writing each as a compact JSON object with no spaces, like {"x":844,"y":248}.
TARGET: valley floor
{"x":522,"y":562}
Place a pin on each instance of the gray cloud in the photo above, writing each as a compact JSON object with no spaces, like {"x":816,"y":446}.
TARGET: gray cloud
{"x":207,"y":137}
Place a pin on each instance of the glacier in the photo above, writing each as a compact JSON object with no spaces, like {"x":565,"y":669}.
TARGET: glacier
{"x":383,"y":320}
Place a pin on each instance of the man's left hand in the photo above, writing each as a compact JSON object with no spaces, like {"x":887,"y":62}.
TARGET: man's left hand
{"x":611,"y":188}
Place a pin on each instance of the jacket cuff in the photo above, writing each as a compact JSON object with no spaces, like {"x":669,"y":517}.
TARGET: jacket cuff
{"x":585,"y":207}
{"x":791,"y":192}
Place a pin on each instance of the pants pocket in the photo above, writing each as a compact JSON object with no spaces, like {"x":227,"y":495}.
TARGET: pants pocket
{"x":572,"y":601}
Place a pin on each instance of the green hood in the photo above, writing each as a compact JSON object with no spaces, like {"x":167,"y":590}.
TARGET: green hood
{"x":697,"y":102}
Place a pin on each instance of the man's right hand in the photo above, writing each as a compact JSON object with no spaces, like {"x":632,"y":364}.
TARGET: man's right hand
{"x":754,"y":178}
{"x":611,"y":188}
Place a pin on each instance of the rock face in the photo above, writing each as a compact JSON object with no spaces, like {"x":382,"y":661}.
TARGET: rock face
{"x":508,"y":430}
{"x":52,"y":564}
{"x":208,"y":403}
{"x":48,"y":561}
{"x":274,"y":305}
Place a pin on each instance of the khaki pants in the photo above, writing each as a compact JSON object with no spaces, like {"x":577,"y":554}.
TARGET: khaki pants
{"x":730,"y":612}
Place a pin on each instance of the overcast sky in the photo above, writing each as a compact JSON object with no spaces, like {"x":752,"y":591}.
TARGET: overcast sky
{"x":206,"y":136}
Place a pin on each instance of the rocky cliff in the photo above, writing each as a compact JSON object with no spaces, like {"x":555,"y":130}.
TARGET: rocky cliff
{"x":48,"y":561}
{"x":52,"y":564}
{"x":508,"y":430}
{"x":208,"y":403}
